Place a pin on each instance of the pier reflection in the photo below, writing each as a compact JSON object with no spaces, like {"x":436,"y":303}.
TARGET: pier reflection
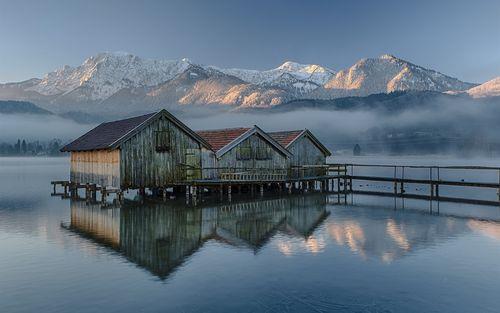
{"x":160,"y":236}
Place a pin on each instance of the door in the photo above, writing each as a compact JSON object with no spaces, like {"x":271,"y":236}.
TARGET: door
{"x":193,"y":164}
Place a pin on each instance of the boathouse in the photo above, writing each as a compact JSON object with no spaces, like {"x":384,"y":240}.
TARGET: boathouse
{"x":308,"y":153}
{"x":155,"y":150}
{"x":246,"y":151}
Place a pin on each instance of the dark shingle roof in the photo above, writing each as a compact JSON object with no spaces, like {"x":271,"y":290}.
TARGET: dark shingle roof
{"x":285,"y":137}
{"x":220,"y":138}
{"x":105,"y":134}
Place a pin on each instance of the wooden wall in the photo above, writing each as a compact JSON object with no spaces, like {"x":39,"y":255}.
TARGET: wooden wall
{"x":100,"y":167}
{"x":254,"y":142}
{"x":143,"y":166}
{"x":208,"y":163}
{"x":305,"y":152}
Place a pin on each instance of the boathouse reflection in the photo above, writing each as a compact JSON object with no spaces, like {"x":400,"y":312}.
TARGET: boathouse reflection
{"x":159,"y":236}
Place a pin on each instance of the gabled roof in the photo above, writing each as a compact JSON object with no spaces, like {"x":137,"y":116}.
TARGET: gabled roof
{"x":223,"y":140}
{"x":287,"y":138}
{"x":110,"y":135}
{"x":219,"y":138}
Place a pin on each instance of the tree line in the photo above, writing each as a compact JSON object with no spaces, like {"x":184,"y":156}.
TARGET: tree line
{"x":31,"y":148}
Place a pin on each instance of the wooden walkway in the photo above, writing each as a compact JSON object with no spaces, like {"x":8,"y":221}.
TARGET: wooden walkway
{"x":339,"y":179}
{"x":400,"y":182}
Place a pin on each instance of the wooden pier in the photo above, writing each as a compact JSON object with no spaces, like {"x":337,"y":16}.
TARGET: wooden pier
{"x":337,"y":179}
{"x":400,"y":180}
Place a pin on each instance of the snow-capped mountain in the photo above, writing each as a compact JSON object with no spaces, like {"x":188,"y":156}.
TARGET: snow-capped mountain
{"x":122,"y":82}
{"x":202,"y":86}
{"x":489,"y":89}
{"x":103,"y":75}
{"x":387,"y":74}
{"x":299,"y":78}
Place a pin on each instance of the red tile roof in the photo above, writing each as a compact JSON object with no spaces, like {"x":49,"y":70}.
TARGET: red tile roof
{"x":285,"y":137}
{"x":219,"y":138}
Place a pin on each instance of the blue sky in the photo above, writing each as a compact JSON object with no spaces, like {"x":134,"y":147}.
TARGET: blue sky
{"x":459,"y":38}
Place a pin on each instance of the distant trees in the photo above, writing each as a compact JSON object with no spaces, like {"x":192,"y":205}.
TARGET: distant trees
{"x":22,"y":147}
{"x":356,"y":151}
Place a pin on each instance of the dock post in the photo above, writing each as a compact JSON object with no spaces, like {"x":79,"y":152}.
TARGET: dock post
{"x":221,"y":191}
{"x":498,"y":187}
{"x":432,"y":189}
{"x":103,"y":194}
{"x":261,"y":190}
{"x":87,"y":191}
{"x":164,"y":194}
{"x":402,"y":187}
{"x":338,"y":185}
{"x":73,"y":190}
{"x":195,"y":192}
{"x":188,"y":190}
{"x":290,"y":188}
{"x":54,"y":188}
{"x":120,"y":195}
{"x":94,"y":192}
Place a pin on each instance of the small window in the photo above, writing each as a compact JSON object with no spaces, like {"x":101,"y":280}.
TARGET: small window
{"x":162,"y":141}
{"x":262,"y":153}
{"x":244,"y":153}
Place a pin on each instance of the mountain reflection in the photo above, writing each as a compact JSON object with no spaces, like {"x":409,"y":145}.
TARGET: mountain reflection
{"x":389,"y":235}
{"x":159,"y":236}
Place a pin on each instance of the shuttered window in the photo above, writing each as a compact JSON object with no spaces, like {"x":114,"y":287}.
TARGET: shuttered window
{"x":244,"y":153}
{"x":262,"y":153}
{"x":162,"y":141}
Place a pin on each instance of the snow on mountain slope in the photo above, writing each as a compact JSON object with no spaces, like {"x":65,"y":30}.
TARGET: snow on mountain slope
{"x":489,"y":89}
{"x":386,"y":74}
{"x":114,"y":82}
{"x":106,"y":73}
{"x":201,"y":86}
{"x":311,"y":76}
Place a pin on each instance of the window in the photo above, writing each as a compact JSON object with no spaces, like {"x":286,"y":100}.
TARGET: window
{"x":162,"y":141}
{"x":262,"y":153}
{"x":244,"y":153}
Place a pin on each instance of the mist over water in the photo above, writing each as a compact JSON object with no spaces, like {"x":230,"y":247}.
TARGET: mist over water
{"x":39,"y":127}
{"x":456,"y":125}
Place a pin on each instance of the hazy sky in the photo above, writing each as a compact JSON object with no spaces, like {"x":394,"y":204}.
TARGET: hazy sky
{"x":459,"y":38}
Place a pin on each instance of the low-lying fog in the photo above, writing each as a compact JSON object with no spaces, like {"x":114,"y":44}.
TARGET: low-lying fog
{"x":39,"y":127}
{"x":421,"y":129}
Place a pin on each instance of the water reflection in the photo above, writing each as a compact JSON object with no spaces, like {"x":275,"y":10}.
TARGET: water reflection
{"x":161,"y":236}
{"x":389,"y":235}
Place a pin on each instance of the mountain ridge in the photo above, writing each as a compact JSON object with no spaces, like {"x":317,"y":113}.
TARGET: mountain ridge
{"x":123,"y":82}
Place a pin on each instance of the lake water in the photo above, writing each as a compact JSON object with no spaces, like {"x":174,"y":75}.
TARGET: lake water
{"x":301,"y":253}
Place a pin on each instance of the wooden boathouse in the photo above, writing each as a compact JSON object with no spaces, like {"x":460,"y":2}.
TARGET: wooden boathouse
{"x":308,"y":154}
{"x":148,"y":151}
{"x":245,"y":152}
{"x":157,"y":151}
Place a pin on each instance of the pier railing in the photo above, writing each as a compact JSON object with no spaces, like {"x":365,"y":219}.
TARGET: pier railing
{"x":239,"y":174}
{"x":428,"y":178}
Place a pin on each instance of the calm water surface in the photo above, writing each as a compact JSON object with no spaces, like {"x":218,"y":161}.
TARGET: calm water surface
{"x":293,"y":254}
